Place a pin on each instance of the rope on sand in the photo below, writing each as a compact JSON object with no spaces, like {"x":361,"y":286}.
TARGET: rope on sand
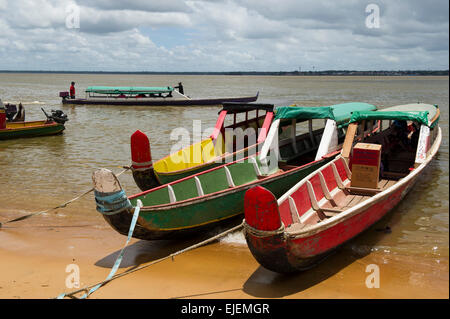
{"x":127,"y":272}
{"x":59,"y":206}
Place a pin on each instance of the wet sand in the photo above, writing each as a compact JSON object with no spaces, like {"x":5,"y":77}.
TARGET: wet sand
{"x":36,"y":252}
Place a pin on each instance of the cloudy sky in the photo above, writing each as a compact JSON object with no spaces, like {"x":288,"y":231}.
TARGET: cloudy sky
{"x":223,"y":35}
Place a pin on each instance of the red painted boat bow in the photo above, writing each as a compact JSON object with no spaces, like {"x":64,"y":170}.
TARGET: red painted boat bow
{"x":261,"y":209}
{"x":141,"y":155}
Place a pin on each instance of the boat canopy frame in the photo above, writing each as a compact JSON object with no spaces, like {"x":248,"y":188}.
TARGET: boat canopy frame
{"x":337,"y":116}
{"x":427,"y":131}
{"x":236,"y":108}
{"x":128,"y":90}
{"x":420,"y":117}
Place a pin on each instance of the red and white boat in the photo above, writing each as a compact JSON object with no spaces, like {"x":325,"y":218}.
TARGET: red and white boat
{"x":327,"y":208}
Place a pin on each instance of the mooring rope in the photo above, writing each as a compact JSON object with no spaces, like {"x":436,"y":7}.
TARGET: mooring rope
{"x":59,"y":206}
{"x":127,"y":272}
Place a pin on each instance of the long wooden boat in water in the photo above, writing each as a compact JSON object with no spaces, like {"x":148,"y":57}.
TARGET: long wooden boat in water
{"x":294,"y":148}
{"x":145,"y":96}
{"x":52,"y":126}
{"x":329,"y":207}
{"x":219,"y":148}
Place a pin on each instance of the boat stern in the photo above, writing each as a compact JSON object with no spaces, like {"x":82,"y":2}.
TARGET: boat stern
{"x":141,"y":159}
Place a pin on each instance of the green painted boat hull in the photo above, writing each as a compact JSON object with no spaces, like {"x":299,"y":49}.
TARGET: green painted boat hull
{"x":196,"y":215}
{"x":168,"y":178}
{"x":32,"y":132}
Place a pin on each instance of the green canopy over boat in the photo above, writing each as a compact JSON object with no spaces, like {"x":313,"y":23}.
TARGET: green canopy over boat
{"x":420,"y":117}
{"x":420,"y":113}
{"x":338,"y":112}
{"x":128,"y":89}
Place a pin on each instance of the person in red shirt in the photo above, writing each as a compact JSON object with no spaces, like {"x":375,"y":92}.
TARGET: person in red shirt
{"x":72,"y":90}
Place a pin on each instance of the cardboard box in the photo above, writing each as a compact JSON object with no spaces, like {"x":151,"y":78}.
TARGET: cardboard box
{"x":366,"y":161}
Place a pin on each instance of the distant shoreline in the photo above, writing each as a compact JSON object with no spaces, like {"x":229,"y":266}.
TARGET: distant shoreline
{"x":277,"y":73}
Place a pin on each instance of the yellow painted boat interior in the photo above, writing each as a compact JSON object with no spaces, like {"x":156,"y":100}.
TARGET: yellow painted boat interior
{"x":23,"y":125}
{"x":201,"y":152}
{"x":191,"y":156}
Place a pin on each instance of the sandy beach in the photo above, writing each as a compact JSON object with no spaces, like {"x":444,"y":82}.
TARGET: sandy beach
{"x":36,"y":252}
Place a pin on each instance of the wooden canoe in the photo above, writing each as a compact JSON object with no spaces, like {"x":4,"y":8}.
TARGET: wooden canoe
{"x":30,"y":129}
{"x":160,"y":101}
{"x":324,"y":211}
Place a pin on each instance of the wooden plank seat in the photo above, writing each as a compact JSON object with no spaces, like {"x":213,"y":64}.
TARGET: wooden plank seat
{"x":363,"y":190}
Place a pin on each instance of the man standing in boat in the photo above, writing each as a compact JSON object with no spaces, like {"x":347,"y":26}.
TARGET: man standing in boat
{"x":180,"y":88}
{"x":72,"y":90}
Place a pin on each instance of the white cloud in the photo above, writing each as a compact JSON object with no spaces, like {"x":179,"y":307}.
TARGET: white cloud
{"x":3,"y":4}
{"x":222,"y":35}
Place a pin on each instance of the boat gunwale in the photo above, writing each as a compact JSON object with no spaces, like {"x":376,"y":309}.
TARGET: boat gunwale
{"x":275,"y":176}
{"x":44,"y":124}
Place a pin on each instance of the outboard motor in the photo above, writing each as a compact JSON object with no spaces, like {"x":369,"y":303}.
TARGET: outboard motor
{"x":57,"y":116}
{"x":64,"y":95}
{"x":11,"y":110}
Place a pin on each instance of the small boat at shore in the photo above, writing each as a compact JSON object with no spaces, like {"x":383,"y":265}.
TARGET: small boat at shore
{"x":146,"y":96}
{"x":343,"y":198}
{"x":54,"y":124}
{"x":219,"y":148}
{"x":300,"y":140}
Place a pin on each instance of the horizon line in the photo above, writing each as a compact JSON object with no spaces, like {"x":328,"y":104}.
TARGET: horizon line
{"x":294,"y":72}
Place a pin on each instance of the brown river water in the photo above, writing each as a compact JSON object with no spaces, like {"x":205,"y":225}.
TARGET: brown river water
{"x":39,"y":173}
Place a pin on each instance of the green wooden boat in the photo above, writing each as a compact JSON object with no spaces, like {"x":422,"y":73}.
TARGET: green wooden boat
{"x":296,"y":145}
{"x":52,"y":126}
